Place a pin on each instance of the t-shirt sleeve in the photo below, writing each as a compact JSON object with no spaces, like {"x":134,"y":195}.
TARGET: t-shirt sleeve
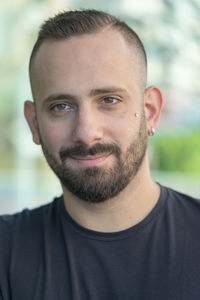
{"x":7,"y":224}
{"x":1,"y":297}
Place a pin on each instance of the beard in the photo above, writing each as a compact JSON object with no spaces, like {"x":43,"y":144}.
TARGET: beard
{"x":97,"y":184}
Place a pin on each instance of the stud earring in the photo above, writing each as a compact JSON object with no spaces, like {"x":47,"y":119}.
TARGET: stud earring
{"x":136,"y":115}
{"x":152,"y":132}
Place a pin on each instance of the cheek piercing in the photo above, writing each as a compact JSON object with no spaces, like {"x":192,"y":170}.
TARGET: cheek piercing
{"x":152,"y":132}
{"x":136,"y":115}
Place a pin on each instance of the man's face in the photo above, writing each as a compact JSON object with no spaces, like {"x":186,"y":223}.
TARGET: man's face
{"x":87,"y":92}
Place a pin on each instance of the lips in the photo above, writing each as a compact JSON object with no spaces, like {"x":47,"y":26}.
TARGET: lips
{"x":90,"y":160}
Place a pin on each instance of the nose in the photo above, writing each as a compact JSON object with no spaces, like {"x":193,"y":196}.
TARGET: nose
{"x":87,"y":126}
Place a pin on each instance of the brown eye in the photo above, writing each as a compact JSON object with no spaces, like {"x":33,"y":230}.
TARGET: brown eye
{"x":61,"y":107}
{"x":109,"y":100}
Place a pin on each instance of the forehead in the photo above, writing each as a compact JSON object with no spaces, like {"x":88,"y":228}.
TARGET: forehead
{"x":82,"y":60}
{"x":106,"y":43}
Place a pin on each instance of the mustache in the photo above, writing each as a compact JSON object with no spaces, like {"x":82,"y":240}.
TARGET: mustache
{"x":83,"y":150}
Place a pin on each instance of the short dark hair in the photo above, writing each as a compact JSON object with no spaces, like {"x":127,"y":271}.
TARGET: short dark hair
{"x":75,"y":23}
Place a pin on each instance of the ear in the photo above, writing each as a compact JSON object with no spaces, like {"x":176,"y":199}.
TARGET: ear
{"x":30,"y":115}
{"x":153,"y":102}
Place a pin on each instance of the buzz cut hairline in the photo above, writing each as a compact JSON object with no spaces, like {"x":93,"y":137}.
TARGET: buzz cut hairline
{"x":79,"y":22}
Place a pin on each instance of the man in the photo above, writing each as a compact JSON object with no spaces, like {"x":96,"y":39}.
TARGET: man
{"x":115,"y":233}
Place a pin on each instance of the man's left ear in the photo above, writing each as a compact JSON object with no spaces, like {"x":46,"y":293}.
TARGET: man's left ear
{"x":153,"y":102}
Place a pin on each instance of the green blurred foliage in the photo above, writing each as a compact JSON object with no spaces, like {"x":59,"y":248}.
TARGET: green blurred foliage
{"x":178,"y":153}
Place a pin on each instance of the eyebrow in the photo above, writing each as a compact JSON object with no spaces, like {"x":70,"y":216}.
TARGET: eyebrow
{"x":92,"y":93}
{"x":107,"y":90}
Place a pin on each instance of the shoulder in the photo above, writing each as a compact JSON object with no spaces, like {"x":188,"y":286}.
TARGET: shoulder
{"x":180,"y":199}
{"x":25,"y":230}
{"x":8,"y":223}
{"x":22,"y":236}
{"x":28,"y":221}
{"x":182,"y":207}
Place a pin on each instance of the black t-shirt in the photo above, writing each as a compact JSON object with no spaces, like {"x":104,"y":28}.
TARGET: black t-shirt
{"x":45,"y":255}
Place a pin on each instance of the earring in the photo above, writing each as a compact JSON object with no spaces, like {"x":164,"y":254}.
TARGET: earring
{"x":152,"y":132}
{"x":136,"y":115}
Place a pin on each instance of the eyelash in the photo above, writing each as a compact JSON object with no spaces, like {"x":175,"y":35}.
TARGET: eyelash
{"x":64,"y":105}
{"x":53,"y":108}
{"x":109,"y":97}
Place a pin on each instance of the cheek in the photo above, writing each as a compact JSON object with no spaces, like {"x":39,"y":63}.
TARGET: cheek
{"x":54,"y":135}
{"x":124,"y":129}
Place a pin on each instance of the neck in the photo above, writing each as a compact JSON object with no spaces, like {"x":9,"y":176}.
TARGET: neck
{"x":128,"y":208}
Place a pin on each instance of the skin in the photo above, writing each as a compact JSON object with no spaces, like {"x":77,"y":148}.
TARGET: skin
{"x":101,"y":74}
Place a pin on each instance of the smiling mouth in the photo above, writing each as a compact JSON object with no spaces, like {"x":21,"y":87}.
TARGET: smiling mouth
{"x":90,"y":160}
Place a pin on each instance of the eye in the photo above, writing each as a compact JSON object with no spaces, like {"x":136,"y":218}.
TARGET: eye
{"x":61,"y":107}
{"x":110,"y":100}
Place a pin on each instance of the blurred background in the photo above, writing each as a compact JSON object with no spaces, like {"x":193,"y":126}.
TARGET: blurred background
{"x":171,"y":35}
